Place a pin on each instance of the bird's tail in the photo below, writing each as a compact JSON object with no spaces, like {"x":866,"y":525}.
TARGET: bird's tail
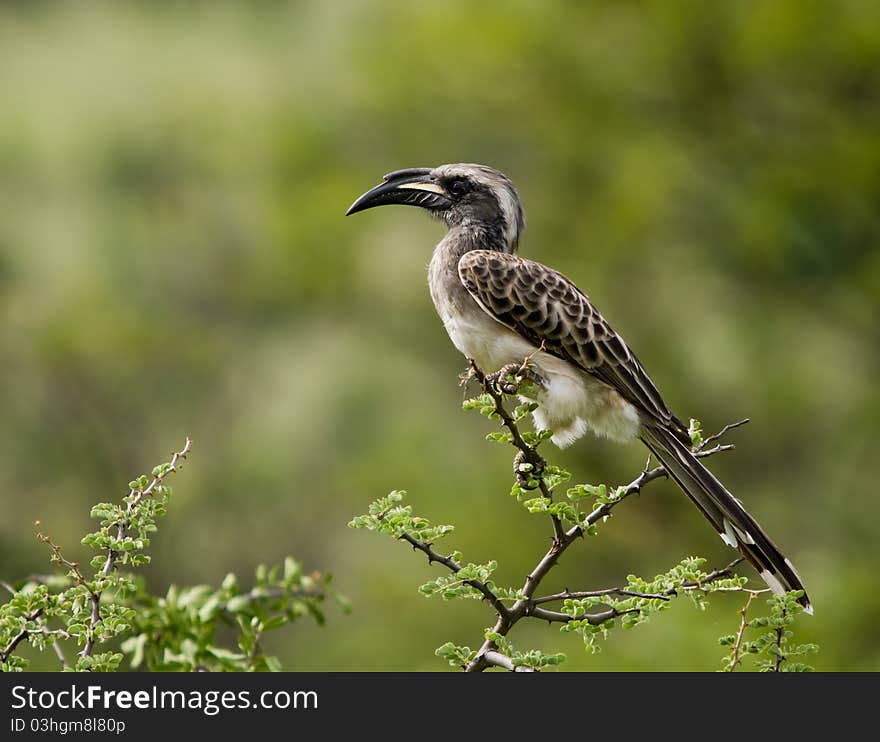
{"x":735,"y":526}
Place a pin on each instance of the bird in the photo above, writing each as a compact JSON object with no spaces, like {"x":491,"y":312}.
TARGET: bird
{"x":499,"y":308}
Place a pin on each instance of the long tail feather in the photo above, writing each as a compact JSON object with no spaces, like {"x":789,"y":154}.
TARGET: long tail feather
{"x":729,"y":518}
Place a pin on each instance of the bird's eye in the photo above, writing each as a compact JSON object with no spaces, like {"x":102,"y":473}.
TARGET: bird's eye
{"x":458,"y":187}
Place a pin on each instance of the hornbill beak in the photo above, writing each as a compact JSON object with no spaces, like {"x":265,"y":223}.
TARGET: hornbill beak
{"x":413,"y":187}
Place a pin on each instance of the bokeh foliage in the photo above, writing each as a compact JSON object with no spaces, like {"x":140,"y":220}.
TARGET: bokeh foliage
{"x":85,"y":614}
{"x":174,"y":260}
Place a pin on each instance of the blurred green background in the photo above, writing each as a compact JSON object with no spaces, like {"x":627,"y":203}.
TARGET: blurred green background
{"x":174,"y":261}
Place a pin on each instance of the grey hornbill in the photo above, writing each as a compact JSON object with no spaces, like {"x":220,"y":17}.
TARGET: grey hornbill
{"x":499,"y":308}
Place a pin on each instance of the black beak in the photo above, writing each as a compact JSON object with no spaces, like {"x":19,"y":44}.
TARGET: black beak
{"x":413,"y":187}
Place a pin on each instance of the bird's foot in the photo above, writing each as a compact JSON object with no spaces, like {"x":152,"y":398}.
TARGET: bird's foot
{"x":508,"y":379}
{"x":528,"y":468}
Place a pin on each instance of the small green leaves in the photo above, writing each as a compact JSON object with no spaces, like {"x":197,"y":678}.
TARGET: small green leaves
{"x":140,"y":483}
{"x":599,"y":493}
{"x":522,"y":410}
{"x":480,"y":572}
{"x":178,"y":631}
{"x":533,"y":658}
{"x":160,"y":471}
{"x":554,"y":476}
{"x":565,"y":512}
{"x":593,"y":615}
{"x":771,"y":649}
{"x":695,"y":431}
{"x":484,"y":403}
{"x":448,"y":587}
{"x":455,"y":655}
{"x":509,"y":593}
{"x":581,"y":491}
{"x":456,"y":585}
{"x":104,"y":662}
{"x":386,"y":515}
{"x":537,"y":504}
{"x":537,"y":660}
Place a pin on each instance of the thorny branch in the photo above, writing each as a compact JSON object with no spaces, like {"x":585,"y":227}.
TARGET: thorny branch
{"x":36,"y":617}
{"x":20,"y":636}
{"x":499,"y":659}
{"x":527,"y":454}
{"x":780,"y":655}
{"x":455,"y":568}
{"x":59,"y":652}
{"x":58,"y":558}
{"x":136,"y":496}
{"x":720,"y":434}
{"x":736,"y":655}
{"x":527,"y":605}
{"x":624,"y":593}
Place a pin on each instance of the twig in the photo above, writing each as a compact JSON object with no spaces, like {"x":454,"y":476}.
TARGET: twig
{"x":780,"y":635}
{"x":720,"y":434}
{"x":455,"y":568}
{"x":594,"y":619}
{"x":59,"y":652}
{"x":716,"y":573}
{"x":562,"y":539}
{"x":715,"y":449}
{"x":136,"y":495}
{"x":616,"y":591}
{"x":529,"y":453}
{"x":736,"y":655}
{"x":20,"y":636}
{"x":559,"y":546}
{"x":498,"y":659}
{"x":623,"y":592}
{"x":528,"y":606}
{"x":647,"y":475}
{"x":37,"y":616}
{"x":58,"y":558}
{"x":54,"y":633}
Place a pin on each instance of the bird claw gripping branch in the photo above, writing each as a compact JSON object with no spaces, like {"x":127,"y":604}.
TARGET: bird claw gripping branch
{"x":510,"y":378}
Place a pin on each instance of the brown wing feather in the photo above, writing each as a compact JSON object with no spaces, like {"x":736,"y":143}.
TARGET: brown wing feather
{"x":545,"y":307}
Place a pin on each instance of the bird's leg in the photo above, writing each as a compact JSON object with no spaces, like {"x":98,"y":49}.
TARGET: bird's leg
{"x":500,"y":379}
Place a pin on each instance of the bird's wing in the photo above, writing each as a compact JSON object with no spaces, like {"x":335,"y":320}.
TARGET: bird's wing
{"x":544,"y":307}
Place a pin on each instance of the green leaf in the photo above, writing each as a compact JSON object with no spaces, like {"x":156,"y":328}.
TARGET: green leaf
{"x":695,"y":431}
{"x":238,"y":604}
{"x":343,"y":602}
{"x":225,"y":654}
{"x":274,"y":622}
{"x":537,"y":504}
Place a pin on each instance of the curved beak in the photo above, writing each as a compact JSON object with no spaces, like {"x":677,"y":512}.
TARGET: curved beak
{"x":412,"y":187}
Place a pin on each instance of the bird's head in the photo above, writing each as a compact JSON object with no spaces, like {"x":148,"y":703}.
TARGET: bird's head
{"x":474,"y":198}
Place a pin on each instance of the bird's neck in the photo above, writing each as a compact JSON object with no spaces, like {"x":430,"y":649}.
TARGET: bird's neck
{"x":467,"y":236}
{"x":459,"y":240}
{"x":447,"y":291}
{"x":446,"y":287}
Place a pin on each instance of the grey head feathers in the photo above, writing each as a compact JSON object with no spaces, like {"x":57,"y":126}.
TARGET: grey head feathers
{"x":485,"y":201}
